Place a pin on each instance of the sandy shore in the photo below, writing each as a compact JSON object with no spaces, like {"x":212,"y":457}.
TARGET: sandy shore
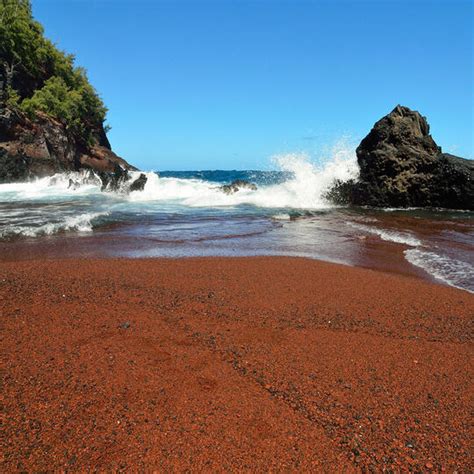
{"x":232,"y":364}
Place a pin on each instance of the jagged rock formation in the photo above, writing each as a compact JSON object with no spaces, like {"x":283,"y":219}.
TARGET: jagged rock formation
{"x":42,"y":147}
{"x":120,"y":180}
{"x":402,"y":166}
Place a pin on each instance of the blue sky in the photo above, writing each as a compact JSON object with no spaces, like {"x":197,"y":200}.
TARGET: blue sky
{"x":227,"y":84}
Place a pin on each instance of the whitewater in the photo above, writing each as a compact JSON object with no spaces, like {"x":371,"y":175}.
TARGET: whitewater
{"x":181,"y":214}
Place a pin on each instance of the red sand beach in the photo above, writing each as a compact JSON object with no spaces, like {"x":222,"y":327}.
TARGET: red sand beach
{"x":232,"y":364}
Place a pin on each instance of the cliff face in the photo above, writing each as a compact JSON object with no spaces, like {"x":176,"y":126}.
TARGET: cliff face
{"x":402,"y":166}
{"x":42,"y":147}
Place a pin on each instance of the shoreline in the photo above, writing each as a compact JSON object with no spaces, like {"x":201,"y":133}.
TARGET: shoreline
{"x":381,"y":256}
{"x":232,"y":363}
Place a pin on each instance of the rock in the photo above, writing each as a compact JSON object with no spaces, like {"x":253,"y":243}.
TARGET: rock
{"x":119,"y":181}
{"x":237,"y":185}
{"x":139,"y":183}
{"x":13,"y":167}
{"x":114,"y":181}
{"x":43,"y":147}
{"x":402,"y":166}
{"x":125,"y":325}
{"x":73,"y":184}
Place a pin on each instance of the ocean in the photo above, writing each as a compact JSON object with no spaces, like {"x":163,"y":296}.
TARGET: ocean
{"x":185,"y":213}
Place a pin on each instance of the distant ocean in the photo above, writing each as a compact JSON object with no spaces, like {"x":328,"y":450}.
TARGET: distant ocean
{"x":184,"y":213}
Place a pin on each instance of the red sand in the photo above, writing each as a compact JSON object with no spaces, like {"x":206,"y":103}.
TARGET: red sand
{"x":232,"y":364}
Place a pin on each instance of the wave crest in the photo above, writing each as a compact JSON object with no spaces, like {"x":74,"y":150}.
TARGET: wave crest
{"x":304,"y":189}
{"x":80,"y":223}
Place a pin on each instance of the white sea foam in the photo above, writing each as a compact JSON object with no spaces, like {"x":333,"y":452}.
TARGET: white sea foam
{"x":451,"y":271}
{"x":79,"y":223}
{"x":405,"y":238}
{"x":305,"y":189}
{"x":281,"y":217}
{"x":172,"y":189}
{"x":51,"y":187}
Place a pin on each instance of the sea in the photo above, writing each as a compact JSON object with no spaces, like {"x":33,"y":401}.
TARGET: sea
{"x":186,"y":214}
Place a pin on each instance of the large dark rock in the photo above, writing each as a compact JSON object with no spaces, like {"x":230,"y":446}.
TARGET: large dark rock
{"x":402,"y":166}
{"x":43,"y":147}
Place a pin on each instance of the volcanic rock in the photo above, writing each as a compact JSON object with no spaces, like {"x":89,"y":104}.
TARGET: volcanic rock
{"x":43,"y":147}
{"x":139,"y":183}
{"x":402,"y":166}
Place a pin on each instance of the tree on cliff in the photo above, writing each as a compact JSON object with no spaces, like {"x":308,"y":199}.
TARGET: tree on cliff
{"x":38,"y":77}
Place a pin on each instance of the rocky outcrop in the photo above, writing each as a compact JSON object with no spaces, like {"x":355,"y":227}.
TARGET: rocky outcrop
{"x":120,"y":180}
{"x":30,"y":149}
{"x":402,"y":166}
{"x":237,"y":185}
{"x":139,"y":183}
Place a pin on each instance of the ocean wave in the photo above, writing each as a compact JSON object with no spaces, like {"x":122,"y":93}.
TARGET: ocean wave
{"x":304,"y":185}
{"x":404,"y":238}
{"x":80,"y":223}
{"x":58,"y":186}
{"x":281,"y":217}
{"x":304,"y":189}
{"x":449,"y":270}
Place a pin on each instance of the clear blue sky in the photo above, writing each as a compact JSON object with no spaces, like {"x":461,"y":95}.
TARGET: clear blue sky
{"x":226,"y":84}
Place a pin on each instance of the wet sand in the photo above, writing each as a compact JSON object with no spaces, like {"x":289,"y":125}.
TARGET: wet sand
{"x":266,"y":363}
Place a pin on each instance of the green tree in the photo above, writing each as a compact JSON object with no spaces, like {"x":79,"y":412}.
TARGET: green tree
{"x":40,"y":77}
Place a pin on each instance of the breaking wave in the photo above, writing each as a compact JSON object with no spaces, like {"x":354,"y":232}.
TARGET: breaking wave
{"x":58,"y":186}
{"x":305,"y":189}
{"x":398,"y":237}
{"x":305,"y":185}
{"x":79,"y":223}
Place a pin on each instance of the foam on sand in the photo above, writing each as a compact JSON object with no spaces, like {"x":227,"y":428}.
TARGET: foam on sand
{"x":449,"y":270}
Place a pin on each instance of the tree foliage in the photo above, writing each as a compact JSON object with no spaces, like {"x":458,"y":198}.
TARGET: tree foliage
{"x":40,"y":77}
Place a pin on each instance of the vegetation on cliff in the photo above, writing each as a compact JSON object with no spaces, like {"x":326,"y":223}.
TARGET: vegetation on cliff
{"x":37,"y":77}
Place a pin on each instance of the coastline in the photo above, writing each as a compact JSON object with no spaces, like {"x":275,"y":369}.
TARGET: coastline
{"x":232,"y":363}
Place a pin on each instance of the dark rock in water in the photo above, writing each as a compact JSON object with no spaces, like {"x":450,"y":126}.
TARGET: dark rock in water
{"x":114,"y":181}
{"x":73,"y":184}
{"x":341,"y":192}
{"x":139,"y":183}
{"x":119,"y":181}
{"x":43,"y":147}
{"x":402,"y":166}
{"x":237,"y":185}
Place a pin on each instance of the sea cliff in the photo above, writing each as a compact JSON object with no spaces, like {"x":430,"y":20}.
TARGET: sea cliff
{"x":44,"y":146}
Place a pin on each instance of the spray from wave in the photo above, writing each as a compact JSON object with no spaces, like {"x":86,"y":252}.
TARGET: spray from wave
{"x":304,"y":189}
{"x":58,"y":186}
